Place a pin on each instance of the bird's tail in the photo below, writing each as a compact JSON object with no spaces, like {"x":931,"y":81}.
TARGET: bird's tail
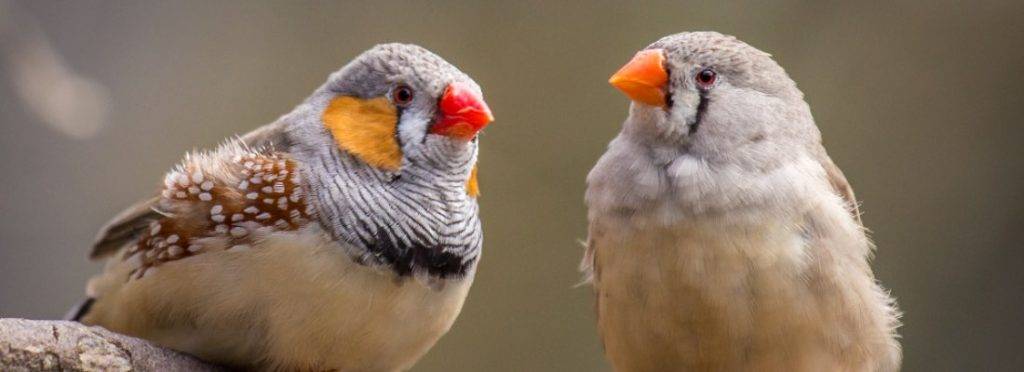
{"x":78,"y":311}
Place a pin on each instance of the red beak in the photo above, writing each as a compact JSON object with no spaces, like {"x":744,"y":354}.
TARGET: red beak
{"x":463,"y":113}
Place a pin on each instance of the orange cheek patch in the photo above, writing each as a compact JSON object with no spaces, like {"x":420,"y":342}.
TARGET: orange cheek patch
{"x":472,"y":187}
{"x":366,"y":129}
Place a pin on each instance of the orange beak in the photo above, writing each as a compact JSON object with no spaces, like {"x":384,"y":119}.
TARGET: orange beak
{"x":644,"y":78}
{"x":463,"y":113}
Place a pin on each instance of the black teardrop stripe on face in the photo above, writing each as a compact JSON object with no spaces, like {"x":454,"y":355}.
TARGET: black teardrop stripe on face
{"x":701,"y":108}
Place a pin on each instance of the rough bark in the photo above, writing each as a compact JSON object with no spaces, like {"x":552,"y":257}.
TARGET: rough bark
{"x":40,"y":345}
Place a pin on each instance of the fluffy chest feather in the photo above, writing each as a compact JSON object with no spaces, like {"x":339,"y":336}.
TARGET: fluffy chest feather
{"x":705,"y":298}
{"x":795,"y":295}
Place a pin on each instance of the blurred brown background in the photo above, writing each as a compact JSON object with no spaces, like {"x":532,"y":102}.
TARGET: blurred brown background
{"x":919,"y":103}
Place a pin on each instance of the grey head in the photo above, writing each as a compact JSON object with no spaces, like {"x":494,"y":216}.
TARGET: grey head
{"x":389,"y":145}
{"x":716,"y":128}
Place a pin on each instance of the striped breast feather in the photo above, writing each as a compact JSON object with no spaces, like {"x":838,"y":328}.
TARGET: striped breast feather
{"x":420,"y":221}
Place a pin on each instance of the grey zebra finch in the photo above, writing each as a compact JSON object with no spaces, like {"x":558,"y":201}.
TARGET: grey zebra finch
{"x":343,"y":236}
{"x":722,"y":236}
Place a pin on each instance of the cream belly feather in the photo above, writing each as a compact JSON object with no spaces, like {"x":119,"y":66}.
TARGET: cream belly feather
{"x":294,"y":298}
{"x":746,"y":297}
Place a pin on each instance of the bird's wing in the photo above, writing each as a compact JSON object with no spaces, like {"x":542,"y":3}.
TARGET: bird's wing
{"x":128,"y":224}
{"x":218,"y":211}
{"x":211,"y":202}
{"x":841,"y":186}
{"x":124,"y":227}
{"x":587,"y":263}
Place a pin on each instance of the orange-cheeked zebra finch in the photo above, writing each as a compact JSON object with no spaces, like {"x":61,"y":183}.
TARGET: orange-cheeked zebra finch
{"x":343,"y":236}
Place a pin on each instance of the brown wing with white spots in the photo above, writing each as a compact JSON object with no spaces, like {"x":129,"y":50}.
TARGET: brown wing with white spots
{"x":218,"y":201}
{"x":133,"y":221}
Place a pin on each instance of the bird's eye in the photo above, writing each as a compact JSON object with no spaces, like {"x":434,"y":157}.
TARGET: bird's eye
{"x":706,"y":77}
{"x":402,"y":95}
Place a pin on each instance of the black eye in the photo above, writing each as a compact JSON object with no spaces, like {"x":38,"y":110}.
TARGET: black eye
{"x":706,"y":77}
{"x":401,"y":95}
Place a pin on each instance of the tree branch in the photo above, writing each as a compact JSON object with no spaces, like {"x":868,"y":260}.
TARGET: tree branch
{"x":40,"y":345}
